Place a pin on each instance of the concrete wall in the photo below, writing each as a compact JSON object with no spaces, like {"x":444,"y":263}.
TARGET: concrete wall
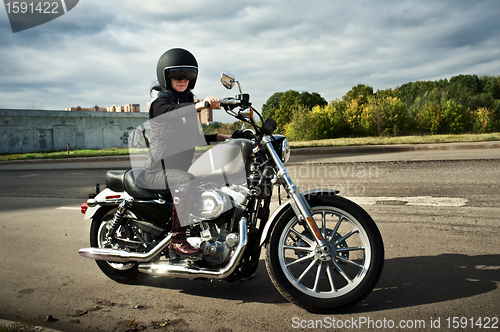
{"x":24,"y":131}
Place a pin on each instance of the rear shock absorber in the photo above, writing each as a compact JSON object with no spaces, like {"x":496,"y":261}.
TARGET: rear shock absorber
{"x":118,"y":218}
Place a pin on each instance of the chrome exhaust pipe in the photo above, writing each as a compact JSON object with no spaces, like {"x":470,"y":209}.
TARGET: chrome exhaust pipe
{"x":191,"y":272}
{"x":122,"y":256}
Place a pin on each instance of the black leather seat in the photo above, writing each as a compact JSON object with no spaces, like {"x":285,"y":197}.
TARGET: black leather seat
{"x":132,"y":182}
{"x":136,"y":187}
{"x":114,"y":180}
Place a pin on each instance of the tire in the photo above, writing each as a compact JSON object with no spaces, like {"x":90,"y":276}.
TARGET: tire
{"x":319,"y":284}
{"x":125,"y":273}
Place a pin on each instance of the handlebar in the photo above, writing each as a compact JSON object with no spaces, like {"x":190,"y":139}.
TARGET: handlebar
{"x":225,"y":101}
{"x":245,"y":114}
{"x":229,"y":101}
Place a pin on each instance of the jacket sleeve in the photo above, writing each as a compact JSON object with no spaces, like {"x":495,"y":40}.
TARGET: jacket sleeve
{"x":162,"y":105}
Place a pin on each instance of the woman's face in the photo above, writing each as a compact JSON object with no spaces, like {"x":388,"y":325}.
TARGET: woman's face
{"x":179,"y":85}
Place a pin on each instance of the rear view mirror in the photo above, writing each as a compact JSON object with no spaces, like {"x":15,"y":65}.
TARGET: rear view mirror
{"x":227,"y":80}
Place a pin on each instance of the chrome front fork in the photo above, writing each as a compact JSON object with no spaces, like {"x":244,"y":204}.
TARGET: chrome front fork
{"x":299,"y":203}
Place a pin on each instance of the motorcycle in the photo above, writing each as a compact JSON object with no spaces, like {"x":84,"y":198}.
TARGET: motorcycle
{"x":323,"y":252}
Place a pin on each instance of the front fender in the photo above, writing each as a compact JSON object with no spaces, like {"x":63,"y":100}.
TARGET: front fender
{"x":283,"y":208}
{"x":105,"y":199}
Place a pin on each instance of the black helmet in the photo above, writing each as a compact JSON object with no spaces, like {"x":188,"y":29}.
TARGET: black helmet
{"x":177,"y":63}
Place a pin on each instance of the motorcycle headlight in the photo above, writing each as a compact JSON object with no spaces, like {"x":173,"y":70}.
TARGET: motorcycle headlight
{"x":285,"y":148}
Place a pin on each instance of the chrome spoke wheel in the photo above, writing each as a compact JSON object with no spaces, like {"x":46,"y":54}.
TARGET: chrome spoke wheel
{"x":336,"y":275}
{"x":104,"y":242}
{"x":348,"y":260}
{"x":127,"y":273}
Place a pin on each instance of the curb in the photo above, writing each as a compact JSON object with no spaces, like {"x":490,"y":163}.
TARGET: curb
{"x":9,"y":323}
{"x":320,"y":150}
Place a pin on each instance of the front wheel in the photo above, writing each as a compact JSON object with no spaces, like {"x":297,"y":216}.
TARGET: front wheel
{"x":126,"y":273}
{"x":331,"y":283}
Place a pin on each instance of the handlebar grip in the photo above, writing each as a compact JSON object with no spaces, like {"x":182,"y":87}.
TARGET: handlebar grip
{"x":207,"y":104}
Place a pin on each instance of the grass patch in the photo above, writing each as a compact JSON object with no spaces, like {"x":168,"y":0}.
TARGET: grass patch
{"x":66,"y":154}
{"x":294,"y":144}
{"x":398,"y":140}
{"x":21,"y":326}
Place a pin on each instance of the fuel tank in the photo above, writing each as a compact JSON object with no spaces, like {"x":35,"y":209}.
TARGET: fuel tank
{"x":226,"y":160}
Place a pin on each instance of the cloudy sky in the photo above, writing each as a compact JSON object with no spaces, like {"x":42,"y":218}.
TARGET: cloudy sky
{"x":104,"y":52}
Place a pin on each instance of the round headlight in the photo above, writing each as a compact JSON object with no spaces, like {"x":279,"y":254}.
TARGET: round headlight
{"x":285,"y":148}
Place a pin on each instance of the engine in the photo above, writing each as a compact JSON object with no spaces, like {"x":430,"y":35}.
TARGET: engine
{"x":216,"y":212}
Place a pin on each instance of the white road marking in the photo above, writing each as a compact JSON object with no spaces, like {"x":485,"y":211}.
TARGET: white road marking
{"x":20,"y":176}
{"x":68,"y":208}
{"x":412,"y":201}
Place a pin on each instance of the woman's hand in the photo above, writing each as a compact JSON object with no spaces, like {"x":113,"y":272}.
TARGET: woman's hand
{"x":212,"y":101}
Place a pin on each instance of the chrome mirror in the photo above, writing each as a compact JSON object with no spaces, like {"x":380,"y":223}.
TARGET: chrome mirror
{"x":227,"y":80}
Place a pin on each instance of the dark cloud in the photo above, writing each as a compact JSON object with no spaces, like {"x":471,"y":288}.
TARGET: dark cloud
{"x":105,"y":52}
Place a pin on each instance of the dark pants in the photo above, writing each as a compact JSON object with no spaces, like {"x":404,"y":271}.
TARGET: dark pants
{"x":170,"y":173}
{"x":169,"y":180}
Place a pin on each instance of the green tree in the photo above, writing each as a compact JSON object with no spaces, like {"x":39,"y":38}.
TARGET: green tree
{"x":409,"y":92}
{"x":321,"y":122}
{"x":484,"y":121}
{"x":360,"y":92}
{"x":386,"y":93}
{"x":271,"y":105}
{"x":453,"y":117}
{"x":282,"y":105}
{"x":220,"y":128}
{"x":384,"y":116}
{"x":491,"y":86}
{"x":465,"y":103}
{"x":430,"y":117}
{"x":471,"y":83}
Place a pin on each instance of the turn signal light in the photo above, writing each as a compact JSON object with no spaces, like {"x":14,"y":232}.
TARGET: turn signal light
{"x":91,"y":202}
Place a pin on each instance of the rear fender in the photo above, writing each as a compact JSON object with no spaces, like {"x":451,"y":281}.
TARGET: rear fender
{"x":283,"y":208}
{"x":105,"y":200}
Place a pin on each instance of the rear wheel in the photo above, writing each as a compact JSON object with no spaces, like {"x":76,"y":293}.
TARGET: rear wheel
{"x":326,"y":283}
{"x":126,"y":273}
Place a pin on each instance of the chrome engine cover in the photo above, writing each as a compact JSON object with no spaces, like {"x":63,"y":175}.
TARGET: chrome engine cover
{"x":214,"y":209}
{"x":210,"y":204}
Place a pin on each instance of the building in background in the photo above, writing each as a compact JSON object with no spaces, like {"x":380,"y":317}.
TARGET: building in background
{"x":207,"y":116}
{"x":128,"y":108}
{"x":25,"y":131}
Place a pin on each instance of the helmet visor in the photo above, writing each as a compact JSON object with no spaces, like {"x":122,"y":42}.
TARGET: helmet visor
{"x":180,"y":73}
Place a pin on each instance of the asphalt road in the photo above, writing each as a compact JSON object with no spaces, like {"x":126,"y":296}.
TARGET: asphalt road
{"x":438,"y":218}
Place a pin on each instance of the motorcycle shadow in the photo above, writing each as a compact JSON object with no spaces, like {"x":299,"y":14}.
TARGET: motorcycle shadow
{"x":258,"y":289}
{"x":405,"y":282}
{"x":413,"y":281}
